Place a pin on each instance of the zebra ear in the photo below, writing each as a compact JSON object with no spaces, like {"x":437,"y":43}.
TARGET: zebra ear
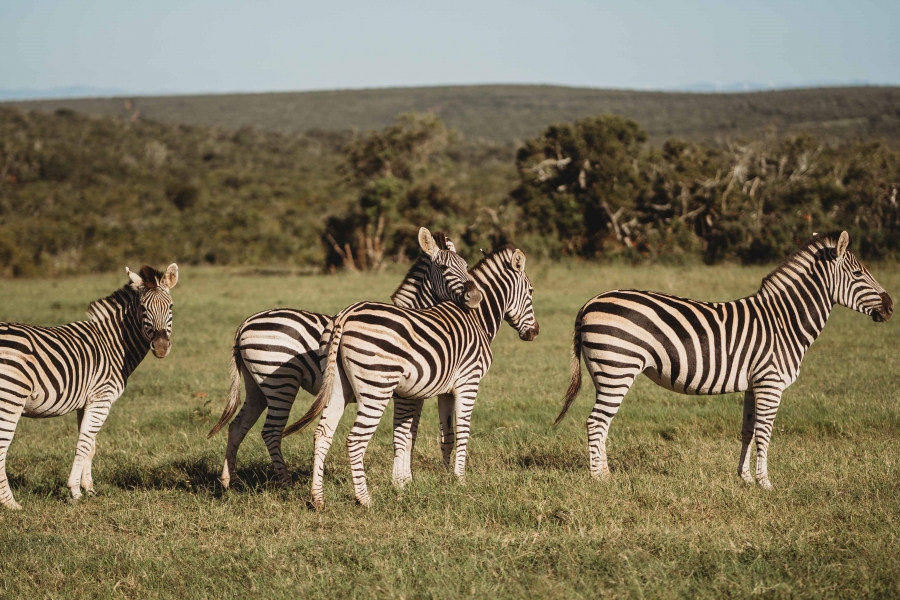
{"x":426,"y":242}
{"x":518,"y":261}
{"x":136,"y":280}
{"x":171,"y":277}
{"x":842,"y":243}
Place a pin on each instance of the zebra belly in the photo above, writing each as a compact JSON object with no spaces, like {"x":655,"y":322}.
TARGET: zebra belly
{"x":665,"y":381}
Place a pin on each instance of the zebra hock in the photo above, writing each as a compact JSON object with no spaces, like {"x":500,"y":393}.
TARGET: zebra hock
{"x":376,"y":351}
{"x":82,"y":366}
{"x":276,"y":352}
{"x":753,"y":345}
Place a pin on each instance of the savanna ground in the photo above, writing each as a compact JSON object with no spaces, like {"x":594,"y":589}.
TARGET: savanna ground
{"x":674,"y":520}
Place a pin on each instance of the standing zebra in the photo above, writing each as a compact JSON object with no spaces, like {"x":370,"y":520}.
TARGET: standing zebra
{"x":276,"y":352}
{"x":377,"y":351}
{"x":752,"y":345}
{"x":82,"y":366}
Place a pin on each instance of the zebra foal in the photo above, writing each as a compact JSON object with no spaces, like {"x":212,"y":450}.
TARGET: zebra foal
{"x":82,"y":366}
{"x":376,"y":351}
{"x":753,"y":345}
{"x":276,"y":352}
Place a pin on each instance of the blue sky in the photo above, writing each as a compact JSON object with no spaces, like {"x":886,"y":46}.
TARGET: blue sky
{"x":204,"y":46}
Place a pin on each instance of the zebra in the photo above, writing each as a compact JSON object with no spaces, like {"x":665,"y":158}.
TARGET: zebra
{"x":752,"y":345}
{"x":82,"y":366}
{"x":375,"y":351}
{"x":276,"y":352}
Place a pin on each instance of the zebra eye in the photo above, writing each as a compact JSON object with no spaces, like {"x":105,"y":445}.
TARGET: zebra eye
{"x":857,"y":273}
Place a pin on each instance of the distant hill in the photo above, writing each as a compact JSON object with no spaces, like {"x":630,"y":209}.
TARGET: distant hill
{"x":509,"y":113}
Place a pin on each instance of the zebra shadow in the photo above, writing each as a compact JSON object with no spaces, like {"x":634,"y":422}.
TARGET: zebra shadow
{"x":198,"y":475}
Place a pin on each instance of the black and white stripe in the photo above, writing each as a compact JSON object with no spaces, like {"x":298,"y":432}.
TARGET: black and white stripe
{"x":376,"y":351}
{"x":753,"y":345}
{"x":82,"y":366}
{"x":276,"y":352}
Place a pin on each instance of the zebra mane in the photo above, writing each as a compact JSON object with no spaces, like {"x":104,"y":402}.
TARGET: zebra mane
{"x":806,"y":253}
{"x":489,"y":256}
{"x":150,"y":277}
{"x":105,"y":308}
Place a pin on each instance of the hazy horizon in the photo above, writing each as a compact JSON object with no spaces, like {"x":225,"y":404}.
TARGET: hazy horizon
{"x":205,"y":47}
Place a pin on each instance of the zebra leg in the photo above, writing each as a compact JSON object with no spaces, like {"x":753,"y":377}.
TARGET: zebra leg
{"x":11,"y":406}
{"x":87,"y":480}
{"x":768,"y":398}
{"x":254,"y":404}
{"x":92,"y":418}
{"x":322,"y":440}
{"x":371,"y":402}
{"x":747,"y":437}
{"x":448,"y":437}
{"x":611,"y":389}
{"x":406,"y":426}
{"x":464,"y":399}
{"x":279,"y":408}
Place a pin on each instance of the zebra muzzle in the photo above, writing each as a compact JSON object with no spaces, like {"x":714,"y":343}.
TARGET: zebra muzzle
{"x":471,"y":295}
{"x":883,"y":313}
{"x":530,"y":334}
{"x":160,"y":345}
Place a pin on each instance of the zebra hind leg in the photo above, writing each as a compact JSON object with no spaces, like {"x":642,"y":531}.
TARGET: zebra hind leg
{"x":768,"y":398}
{"x":279,"y":409}
{"x":611,"y":384}
{"x":254,"y":405}
{"x":324,"y":436}
{"x":11,"y":406}
{"x":406,"y":426}
{"x":371,"y":403}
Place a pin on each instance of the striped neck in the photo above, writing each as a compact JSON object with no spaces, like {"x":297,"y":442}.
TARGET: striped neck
{"x":798,"y":299}
{"x":416,"y":290}
{"x":490,"y":273}
{"x":117,"y":316}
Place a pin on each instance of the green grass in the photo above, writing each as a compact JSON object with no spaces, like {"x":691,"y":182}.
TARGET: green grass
{"x":508,"y":113}
{"x":674,"y":520}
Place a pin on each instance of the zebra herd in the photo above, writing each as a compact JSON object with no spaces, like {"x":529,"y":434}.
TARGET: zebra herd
{"x":435,"y":340}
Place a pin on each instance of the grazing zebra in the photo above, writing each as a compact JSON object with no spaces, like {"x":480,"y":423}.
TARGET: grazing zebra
{"x":276,"y":352}
{"x":752,"y":345}
{"x":82,"y":366}
{"x":377,"y":351}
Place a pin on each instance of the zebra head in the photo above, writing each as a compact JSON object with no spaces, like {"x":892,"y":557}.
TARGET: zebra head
{"x":448,"y":272}
{"x":155,"y":305}
{"x":853,"y":285}
{"x":519,"y":309}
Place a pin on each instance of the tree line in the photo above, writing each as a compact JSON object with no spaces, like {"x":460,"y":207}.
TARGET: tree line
{"x":80,"y":194}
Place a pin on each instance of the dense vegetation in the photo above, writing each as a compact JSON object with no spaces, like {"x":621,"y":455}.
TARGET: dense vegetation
{"x":674,"y":520}
{"x":512,"y":113}
{"x":86,"y":193}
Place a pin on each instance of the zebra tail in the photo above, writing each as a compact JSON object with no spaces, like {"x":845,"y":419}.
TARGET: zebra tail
{"x":234,"y":396}
{"x":575,"y":366}
{"x":324,"y":395}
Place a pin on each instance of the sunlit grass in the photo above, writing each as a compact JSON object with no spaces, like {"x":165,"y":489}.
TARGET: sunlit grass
{"x":674,"y":519}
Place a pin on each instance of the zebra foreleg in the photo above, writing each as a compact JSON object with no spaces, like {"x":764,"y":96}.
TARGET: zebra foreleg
{"x":91,"y":419}
{"x":448,"y":435}
{"x":406,"y":426}
{"x":464,"y":400}
{"x":254,"y":405}
{"x":768,"y":398}
{"x":749,"y":423}
{"x":10,"y":413}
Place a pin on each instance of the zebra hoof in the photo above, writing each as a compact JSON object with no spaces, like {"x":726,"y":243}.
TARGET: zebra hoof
{"x":12,"y":505}
{"x":400,"y":482}
{"x":365,"y":502}
{"x":225,"y":482}
{"x":764,"y":483}
{"x":90,"y":492}
{"x":317,"y":503}
{"x":747,"y":477}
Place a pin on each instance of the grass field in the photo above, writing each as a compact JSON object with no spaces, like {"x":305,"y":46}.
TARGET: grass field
{"x":512,"y":113}
{"x":674,"y":520}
